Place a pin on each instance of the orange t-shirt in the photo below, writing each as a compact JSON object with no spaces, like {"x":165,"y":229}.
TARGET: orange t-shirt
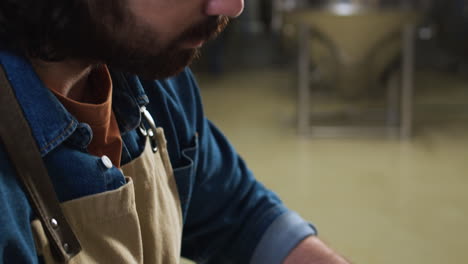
{"x":99,"y":116}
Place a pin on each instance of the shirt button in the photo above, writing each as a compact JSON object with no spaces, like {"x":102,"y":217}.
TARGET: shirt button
{"x":106,"y":161}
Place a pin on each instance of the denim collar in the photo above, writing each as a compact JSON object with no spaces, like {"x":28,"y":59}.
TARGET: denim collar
{"x":51,"y":124}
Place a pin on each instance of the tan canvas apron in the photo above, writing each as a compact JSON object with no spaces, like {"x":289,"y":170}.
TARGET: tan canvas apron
{"x":139,"y":223}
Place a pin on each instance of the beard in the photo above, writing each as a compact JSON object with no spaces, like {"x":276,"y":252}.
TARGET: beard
{"x":141,"y":54}
{"x":108,"y":33}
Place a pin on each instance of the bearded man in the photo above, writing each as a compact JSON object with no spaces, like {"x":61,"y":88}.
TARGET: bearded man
{"x":100,"y":163}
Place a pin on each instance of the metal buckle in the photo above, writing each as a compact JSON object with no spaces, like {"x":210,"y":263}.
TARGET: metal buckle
{"x":151,"y":131}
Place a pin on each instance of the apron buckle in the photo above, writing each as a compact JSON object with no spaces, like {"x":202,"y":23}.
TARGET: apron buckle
{"x":151,"y":131}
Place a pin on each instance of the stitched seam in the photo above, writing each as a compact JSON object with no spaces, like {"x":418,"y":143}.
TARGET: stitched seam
{"x":59,"y":136}
{"x":112,"y":217}
{"x":142,"y":99}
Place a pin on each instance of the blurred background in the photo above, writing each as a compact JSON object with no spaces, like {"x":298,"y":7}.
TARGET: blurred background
{"x":356,"y":113}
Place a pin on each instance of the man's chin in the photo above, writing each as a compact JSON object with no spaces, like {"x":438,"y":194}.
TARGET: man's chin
{"x":150,"y":74}
{"x":158,"y":67}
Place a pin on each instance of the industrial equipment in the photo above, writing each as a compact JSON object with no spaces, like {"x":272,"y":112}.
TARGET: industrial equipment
{"x":350,"y":45}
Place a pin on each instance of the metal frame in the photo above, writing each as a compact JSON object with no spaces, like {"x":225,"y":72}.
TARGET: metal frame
{"x":354,"y":7}
{"x":399,"y":120}
{"x":407,"y":83}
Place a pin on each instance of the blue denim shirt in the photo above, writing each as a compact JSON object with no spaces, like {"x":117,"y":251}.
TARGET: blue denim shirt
{"x":229,"y":217}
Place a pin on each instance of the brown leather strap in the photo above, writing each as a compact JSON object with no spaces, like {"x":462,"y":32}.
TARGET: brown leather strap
{"x":16,"y":136}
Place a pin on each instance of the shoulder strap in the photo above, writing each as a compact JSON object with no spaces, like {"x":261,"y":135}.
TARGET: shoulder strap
{"x":16,"y":136}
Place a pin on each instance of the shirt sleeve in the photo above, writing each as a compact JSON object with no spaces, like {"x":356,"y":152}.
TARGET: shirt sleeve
{"x":231,"y":217}
{"x":281,"y":237}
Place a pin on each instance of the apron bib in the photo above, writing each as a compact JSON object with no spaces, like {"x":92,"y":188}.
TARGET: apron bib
{"x":141,"y":222}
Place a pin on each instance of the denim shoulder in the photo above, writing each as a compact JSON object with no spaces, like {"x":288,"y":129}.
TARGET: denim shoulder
{"x":16,"y":215}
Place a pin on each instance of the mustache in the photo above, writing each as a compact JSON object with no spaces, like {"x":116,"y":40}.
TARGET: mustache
{"x":206,"y":30}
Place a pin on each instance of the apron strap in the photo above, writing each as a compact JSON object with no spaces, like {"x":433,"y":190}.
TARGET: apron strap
{"x":16,"y":136}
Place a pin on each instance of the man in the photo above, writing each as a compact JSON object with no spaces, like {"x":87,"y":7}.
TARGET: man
{"x":73,"y":66}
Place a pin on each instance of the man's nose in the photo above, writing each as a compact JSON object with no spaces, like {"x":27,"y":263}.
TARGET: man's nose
{"x":229,"y":8}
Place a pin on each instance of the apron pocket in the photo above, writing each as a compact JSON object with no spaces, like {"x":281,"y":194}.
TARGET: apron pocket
{"x":106,"y":225}
{"x":184,"y":175}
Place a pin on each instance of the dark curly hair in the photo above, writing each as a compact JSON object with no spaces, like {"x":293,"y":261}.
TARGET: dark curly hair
{"x":100,"y":31}
{"x":48,"y":29}
{"x":39,"y":28}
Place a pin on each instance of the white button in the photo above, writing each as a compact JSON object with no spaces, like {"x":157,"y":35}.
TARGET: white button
{"x":106,"y":161}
